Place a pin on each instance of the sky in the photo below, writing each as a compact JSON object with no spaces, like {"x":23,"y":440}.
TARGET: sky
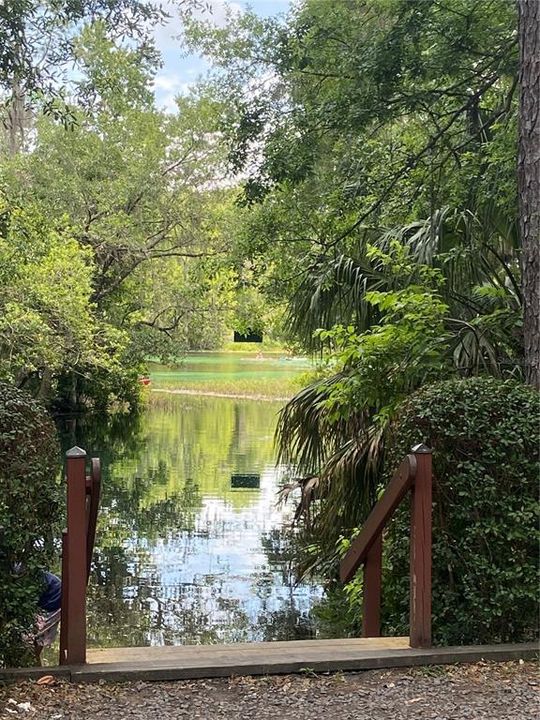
{"x":178,"y":72}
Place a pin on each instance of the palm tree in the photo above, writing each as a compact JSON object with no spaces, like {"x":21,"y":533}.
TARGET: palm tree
{"x":477,"y":256}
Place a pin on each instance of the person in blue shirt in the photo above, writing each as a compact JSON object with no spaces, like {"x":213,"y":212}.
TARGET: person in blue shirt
{"x":51,"y":596}
{"x":48,"y":617}
{"x":48,"y":603}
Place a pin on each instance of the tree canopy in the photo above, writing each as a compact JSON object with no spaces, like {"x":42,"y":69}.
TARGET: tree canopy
{"x":379,"y":143}
{"x":129,"y":206}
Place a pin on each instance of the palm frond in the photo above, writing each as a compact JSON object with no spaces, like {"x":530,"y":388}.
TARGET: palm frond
{"x":477,"y":255}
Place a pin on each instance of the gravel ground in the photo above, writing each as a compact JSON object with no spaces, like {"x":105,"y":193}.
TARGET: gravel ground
{"x":487,"y":691}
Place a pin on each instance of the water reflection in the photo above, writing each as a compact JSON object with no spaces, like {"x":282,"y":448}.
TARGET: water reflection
{"x":183,"y":556}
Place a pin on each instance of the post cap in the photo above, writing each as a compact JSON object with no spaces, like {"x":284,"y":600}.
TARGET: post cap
{"x":421,"y":449}
{"x":76,"y":452}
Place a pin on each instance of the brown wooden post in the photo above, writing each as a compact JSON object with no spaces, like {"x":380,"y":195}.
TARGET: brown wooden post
{"x":421,"y":511}
{"x":371,"y":618}
{"x":76,"y":557}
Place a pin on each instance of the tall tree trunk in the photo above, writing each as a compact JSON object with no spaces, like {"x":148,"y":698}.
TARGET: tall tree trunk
{"x":16,"y":119}
{"x":529,"y":181}
{"x":45,"y":387}
{"x":73,"y":393}
{"x":16,"y":113}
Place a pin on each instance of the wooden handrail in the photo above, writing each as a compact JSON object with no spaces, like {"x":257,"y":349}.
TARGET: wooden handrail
{"x":414,"y":474}
{"x":397,"y":488}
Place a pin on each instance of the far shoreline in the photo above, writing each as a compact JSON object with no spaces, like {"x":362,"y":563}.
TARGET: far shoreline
{"x":223,"y":394}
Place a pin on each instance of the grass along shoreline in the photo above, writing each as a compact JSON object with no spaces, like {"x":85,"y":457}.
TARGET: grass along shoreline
{"x":232,"y":375}
{"x":213,"y":393}
{"x":252,"y":388}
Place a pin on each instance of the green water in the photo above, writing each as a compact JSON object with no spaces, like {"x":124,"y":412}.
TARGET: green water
{"x":223,"y":367}
{"x":183,"y":554}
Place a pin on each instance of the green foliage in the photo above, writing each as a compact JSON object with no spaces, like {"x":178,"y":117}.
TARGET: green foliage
{"x":336,"y":615}
{"x":132,"y":260}
{"x":29,"y":514}
{"x":47,"y":320}
{"x":364,"y":116}
{"x":37,"y":50}
{"x":371,"y":122}
{"x":405,"y":349}
{"x":336,"y":427}
{"x":485,"y":514}
{"x":379,"y":138}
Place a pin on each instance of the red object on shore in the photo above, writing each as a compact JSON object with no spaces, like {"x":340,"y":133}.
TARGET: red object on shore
{"x":144,"y":380}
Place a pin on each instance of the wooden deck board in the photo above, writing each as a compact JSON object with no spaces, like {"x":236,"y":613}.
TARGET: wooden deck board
{"x":185,"y":662}
{"x":207,"y":661}
{"x":269,"y":650}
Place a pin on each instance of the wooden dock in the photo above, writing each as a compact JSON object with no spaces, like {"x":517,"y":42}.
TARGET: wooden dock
{"x":209,"y":661}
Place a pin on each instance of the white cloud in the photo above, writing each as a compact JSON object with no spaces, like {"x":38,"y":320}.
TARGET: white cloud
{"x":167,"y":82}
{"x":167,"y":87}
{"x":173,"y":80}
{"x":215,"y":11}
{"x":218,"y":11}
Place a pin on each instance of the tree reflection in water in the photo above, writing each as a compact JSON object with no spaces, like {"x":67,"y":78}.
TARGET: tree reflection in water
{"x":182,"y":557}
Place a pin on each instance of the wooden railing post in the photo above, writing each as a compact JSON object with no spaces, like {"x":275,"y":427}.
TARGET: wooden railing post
{"x":75,"y":566}
{"x":371,"y":618}
{"x":421,"y":511}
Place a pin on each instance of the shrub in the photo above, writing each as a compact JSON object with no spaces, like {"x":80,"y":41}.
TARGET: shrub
{"x":29,"y":514}
{"x":484,"y":434}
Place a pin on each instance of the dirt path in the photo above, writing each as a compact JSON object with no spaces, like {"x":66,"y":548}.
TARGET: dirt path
{"x":504,"y":691}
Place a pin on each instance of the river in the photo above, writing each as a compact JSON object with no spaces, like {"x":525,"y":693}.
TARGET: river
{"x":191,"y":543}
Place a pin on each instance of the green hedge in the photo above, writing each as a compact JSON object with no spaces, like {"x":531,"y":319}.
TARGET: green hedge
{"x":29,"y":514}
{"x":485,"y":436}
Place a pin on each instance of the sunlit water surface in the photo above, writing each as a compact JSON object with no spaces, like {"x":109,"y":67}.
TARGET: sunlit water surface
{"x":185,"y":554}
